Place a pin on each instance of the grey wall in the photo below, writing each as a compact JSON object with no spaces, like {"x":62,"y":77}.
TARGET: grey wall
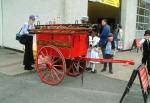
{"x":0,"y":24}
{"x":16,"y":12}
{"x":75,"y":9}
{"x":128,"y":21}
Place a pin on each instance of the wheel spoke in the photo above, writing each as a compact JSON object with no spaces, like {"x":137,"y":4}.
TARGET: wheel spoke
{"x":81,"y":67}
{"x":50,"y":77}
{"x":76,"y":66}
{"x":51,"y":59}
{"x":48,"y":64}
{"x":58,"y":65}
{"x":46,"y":51}
{"x":73,"y":68}
{"x":43,"y":75}
{"x":51,"y":73}
{"x":43,"y":54}
{"x":50,"y":56}
{"x":58,"y":71}
{"x":69,"y":69}
{"x":43,"y":57}
{"x":40,"y":69}
{"x":56,"y":75}
{"x":56,"y":61}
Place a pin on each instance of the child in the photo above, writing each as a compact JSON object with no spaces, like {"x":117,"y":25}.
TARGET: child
{"x":108,"y":53}
{"x":93,"y":50}
{"x":146,"y":50}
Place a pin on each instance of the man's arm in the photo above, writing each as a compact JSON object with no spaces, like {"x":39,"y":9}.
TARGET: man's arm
{"x":25,"y":29}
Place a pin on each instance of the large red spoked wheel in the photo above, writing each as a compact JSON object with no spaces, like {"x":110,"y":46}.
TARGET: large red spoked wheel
{"x":51,"y":65}
{"x":75,"y":68}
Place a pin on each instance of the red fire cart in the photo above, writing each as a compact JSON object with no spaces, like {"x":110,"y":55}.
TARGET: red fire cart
{"x":61,"y":50}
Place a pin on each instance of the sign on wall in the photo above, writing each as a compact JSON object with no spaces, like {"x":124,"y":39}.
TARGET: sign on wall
{"x":115,"y":3}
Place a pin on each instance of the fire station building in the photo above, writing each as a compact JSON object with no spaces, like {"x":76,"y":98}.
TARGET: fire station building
{"x":133,"y":15}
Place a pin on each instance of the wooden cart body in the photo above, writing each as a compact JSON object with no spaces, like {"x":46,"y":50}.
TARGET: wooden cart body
{"x":71,"y":44}
{"x":58,"y":46}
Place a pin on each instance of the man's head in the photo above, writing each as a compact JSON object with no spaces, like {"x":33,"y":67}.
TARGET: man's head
{"x":32,"y":19}
{"x":104,"y":22}
{"x":147,"y":34}
{"x":84,"y":19}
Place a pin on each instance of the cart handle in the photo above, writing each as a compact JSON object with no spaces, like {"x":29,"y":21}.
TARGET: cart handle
{"x":130,"y":62}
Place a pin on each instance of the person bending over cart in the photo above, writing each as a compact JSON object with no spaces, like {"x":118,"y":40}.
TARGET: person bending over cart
{"x":108,"y":53}
{"x":93,"y":51}
{"x":28,"y":54}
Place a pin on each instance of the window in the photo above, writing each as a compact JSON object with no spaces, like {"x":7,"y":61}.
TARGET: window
{"x":142,"y":3}
{"x":147,"y":12}
{"x":148,"y":5}
{"x":143,"y":16}
{"x":141,"y":11}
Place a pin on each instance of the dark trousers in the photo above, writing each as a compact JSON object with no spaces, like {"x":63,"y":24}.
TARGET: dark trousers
{"x":148,"y":66}
{"x":103,"y":50}
{"x":108,"y":56}
{"x":146,"y":60}
{"x":28,"y":54}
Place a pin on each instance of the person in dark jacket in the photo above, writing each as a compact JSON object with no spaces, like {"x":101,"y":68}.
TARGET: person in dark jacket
{"x":104,"y":35}
{"x":109,"y":52}
{"x":146,"y":50}
{"x":28,"y":54}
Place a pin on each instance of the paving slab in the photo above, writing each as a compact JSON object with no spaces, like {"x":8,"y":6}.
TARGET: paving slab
{"x":11,"y":62}
{"x":122,"y":71}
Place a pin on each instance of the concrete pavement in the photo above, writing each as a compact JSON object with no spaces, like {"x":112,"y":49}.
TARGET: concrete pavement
{"x":26,"y":87}
{"x":123,"y":71}
{"x":11,"y":62}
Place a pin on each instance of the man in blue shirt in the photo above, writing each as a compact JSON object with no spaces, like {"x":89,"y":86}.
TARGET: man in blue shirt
{"x":108,"y":52}
{"x":104,"y":35}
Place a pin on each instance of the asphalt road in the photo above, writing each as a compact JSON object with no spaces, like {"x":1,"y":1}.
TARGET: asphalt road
{"x":27,"y":88}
